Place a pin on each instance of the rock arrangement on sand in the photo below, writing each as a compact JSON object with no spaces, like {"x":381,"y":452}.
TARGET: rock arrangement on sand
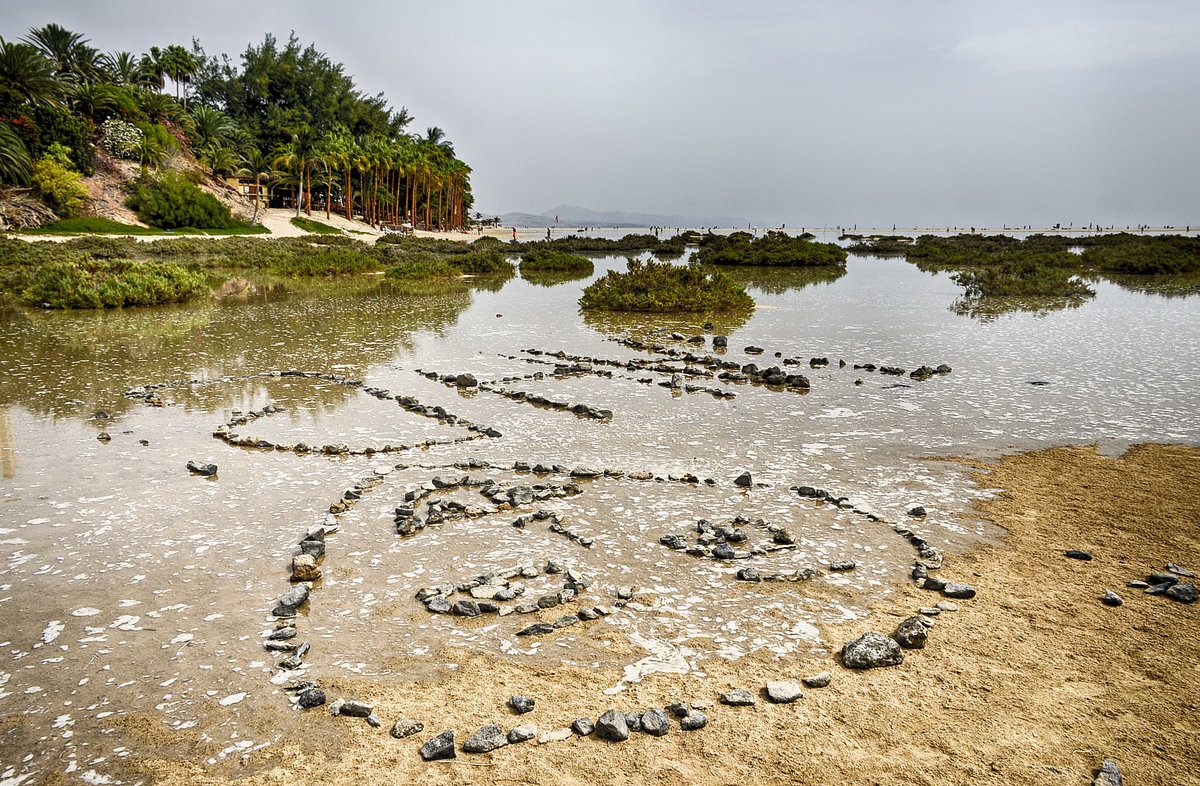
{"x":1168,"y":584}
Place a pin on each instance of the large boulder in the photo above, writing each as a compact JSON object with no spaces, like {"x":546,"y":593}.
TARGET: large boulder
{"x":612,"y":726}
{"x":871,"y":650}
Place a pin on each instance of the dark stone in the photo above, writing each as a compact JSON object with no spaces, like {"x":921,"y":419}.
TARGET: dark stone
{"x":356,"y":709}
{"x":723,"y":551}
{"x":655,"y":722}
{"x":565,"y":621}
{"x":291,"y":600}
{"x":439,"y":605}
{"x":282,"y":634}
{"x":1178,"y":571}
{"x":201,"y":468}
{"x":1076,"y":554}
{"x":748,"y":574}
{"x":313,"y":697}
{"x":934,"y":583}
{"x":373,"y":721}
{"x":440,"y":747}
{"x":1159,"y":589}
{"x":871,"y":650}
{"x":1162,"y":578}
{"x":738,"y":698}
{"x":912,"y":633}
{"x":1108,"y":774}
{"x":583,"y":726}
{"x":406,"y":727}
{"x":536,"y":629}
{"x":743,"y":479}
{"x":466,"y":608}
{"x":954,"y":589}
{"x":488,"y":738}
{"x":720,"y":341}
{"x":693,"y":721}
{"x":466,"y":381}
{"x":521,"y":704}
{"x":612,"y":726}
{"x":918,"y":511}
{"x":842,"y":565}
{"x":1184,"y":593}
{"x":678,"y":709}
{"x":1111,"y":599}
{"x":633,"y":720}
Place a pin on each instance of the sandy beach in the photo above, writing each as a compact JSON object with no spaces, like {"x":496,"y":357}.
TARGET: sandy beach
{"x":1033,"y":682}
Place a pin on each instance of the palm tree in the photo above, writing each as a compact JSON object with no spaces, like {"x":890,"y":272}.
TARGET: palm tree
{"x":299,"y":155}
{"x":218,"y":158}
{"x":122,"y":68}
{"x":257,"y":165}
{"x":151,"y":72}
{"x":59,"y":45}
{"x":30,"y":74}
{"x":179,"y":64}
{"x":158,"y":107}
{"x":90,"y":99}
{"x":15,"y":164}
{"x":211,"y":126}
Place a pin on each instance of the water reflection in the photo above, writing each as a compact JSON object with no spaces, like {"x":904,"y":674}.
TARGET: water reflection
{"x":778,"y":280}
{"x":554,"y":278}
{"x":634,"y":324}
{"x":989,"y":309}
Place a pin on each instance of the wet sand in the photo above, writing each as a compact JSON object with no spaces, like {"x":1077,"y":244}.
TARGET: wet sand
{"x":1032,"y":682}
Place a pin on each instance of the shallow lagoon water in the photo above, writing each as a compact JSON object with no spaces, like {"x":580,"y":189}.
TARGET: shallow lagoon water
{"x":129,"y":586}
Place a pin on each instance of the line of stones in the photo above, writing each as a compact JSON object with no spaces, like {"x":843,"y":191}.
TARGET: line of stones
{"x":466,"y":380}
{"x":582,"y":364}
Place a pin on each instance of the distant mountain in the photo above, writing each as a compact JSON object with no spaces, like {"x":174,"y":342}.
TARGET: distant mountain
{"x":571,"y":215}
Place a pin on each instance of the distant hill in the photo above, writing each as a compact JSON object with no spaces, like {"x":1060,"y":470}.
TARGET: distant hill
{"x":571,"y":215}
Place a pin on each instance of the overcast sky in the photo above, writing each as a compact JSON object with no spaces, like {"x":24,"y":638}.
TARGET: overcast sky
{"x":914,"y":112}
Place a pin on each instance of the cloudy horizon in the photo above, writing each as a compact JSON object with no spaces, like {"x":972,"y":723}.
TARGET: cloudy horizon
{"x":870,"y":113}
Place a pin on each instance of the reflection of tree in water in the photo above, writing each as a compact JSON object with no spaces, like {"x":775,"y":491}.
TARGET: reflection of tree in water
{"x":779,"y":280}
{"x":989,"y":309}
{"x":637,"y":324}
{"x":1181,"y":285}
{"x":555,"y":277}
{"x":48,"y":358}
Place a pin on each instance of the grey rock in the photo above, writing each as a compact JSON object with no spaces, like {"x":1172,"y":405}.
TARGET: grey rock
{"x":283,"y":633}
{"x":439,"y":605}
{"x":784,"y":691}
{"x":488,"y":738}
{"x":1111,"y":598}
{"x":536,"y":629}
{"x":818,"y":680}
{"x":918,"y":511}
{"x":625,"y":593}
{"x":842,"y":565}
{"x":466,"y":381}
{"x":633,"y":720}
{"x":748,"y":574}
{"x":406,"y":727}
{"x":1108,"y":774}
{"x":693,"y":721}
{"x":583,"y":726}
{"x":466,"y":608}
{"x":871,"y":650}
{"x":313,"y":697}
{"x":933,"y":583}
{"x":1162,"y":578}
{"x":522,"y":733}
{"x":655,"y":722}
{"x":565,"y":621}
{"x":1159,"y":589}
{"x":954,"y":589}
{"x":202,"y":468}
{"x":912,"y":633}
{"x":723,"y":551}
{"x":356,"y":709}
{"x":945,"y":605}
{"x":738,"y":698}
{"x":290,"y":601}
{"x":335,"y":709}
{"x":1178,"y":571}
{"x":744,"y":480}
{"x":1184,"y":593}
{"x":1077,"y":554}
{"x":612,"y":726}
{"x":1137,"y":584}
{"x":440,"y":747}
{"x":373,"y":721}
{"x":678,"y":708}
{"x":521,"y":704}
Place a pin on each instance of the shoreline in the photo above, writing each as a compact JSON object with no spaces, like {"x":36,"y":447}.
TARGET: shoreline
{"x":1034,"y":681}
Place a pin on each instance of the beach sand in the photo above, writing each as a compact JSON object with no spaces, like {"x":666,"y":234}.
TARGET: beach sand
{"x":1032,"y":682}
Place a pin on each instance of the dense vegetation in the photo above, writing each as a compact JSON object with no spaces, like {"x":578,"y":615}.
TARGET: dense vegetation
{"x":284,"y":116}
{"x":772,"y":249}
{"x":1021,"y":275}
{"x":550,"y":260}
{"x":172,"y":201}
{"x":663,"y":287}
{"x":111,"y":283}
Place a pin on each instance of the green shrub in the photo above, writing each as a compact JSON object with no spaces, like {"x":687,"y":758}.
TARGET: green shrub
{"x":663,"y":287}
{"x":546,"y":260}
{"x":111,"y":284}
{"x":1154,"y":255}
{"x":308,"y":225}
{"x":59,"y":185}
{"x":483,"y":260}
{"x":772,"y":249}
{"x":424,"y":267}
{"x":173,"y":201}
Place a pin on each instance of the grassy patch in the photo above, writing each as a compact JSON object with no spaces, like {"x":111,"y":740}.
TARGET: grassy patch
{"x":551,"y":260}
{"x":482,"y":261}
{"x":774,"y":249}
{"x":663,"y":287}
{"x":1021,"y":276}
{"x":111,"y":284}
{"x":422,"y":267}
{"x":316,"y":227}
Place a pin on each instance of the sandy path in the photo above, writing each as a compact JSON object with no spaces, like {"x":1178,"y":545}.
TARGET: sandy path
{"x":1033,"y":682}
